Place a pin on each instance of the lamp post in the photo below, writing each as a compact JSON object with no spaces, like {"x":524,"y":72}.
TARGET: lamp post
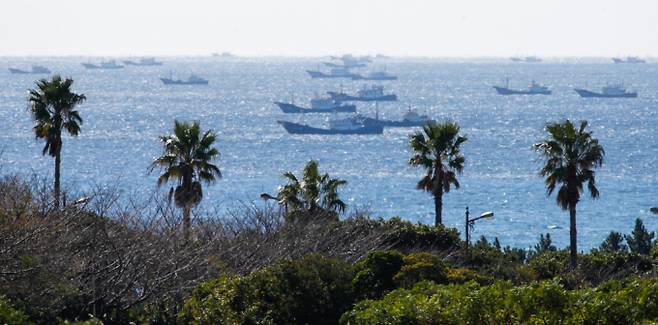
{"x":471,"y":222}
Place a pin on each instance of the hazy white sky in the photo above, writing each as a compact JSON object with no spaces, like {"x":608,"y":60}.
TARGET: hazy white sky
{"x":313,"y":27}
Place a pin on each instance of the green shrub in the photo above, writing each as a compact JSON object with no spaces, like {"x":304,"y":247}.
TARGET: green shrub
{"x":550,"y":264}
{"x":421,"y":266}
{"x":406,"y":235}
{"x":311,"y":290}
{"x":463,"y":275}
{"x":10,"y":315}
{"x":374,"y":274}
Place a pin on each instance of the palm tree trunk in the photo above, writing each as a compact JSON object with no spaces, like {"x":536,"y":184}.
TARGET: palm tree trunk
{"x":438,"y":208}
{"x":58,"y":162}
{"x":186,"y":221}
{"x":573,"y":235}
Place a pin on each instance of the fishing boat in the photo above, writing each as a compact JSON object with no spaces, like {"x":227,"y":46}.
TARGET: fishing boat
{"x":36,"y":69}
{"x":630,"y":59}
{"x":336,"y":126}
{"x":366,"y":94}
{"x":611,"y":91}
{"x":533,"y":89}
{"x":318,"y":105}
{"x":410,"y":118}
{"x":191,"y":80}
{"x":341,"y":72}
{"x":143,"y":62}
{"x":111,"y":64}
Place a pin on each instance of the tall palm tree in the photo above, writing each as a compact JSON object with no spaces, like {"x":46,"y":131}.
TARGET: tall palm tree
{"x":52,"y":105}
{"x":187,"y":161}
{"x":437,"y":149}
{"x":571,"y":155}
{"x":315,"y":193}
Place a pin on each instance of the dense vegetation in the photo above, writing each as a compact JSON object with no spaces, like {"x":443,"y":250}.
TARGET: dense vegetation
{"x":104,"y":259}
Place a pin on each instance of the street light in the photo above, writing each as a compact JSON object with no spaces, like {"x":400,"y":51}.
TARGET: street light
{"x":471,"y":222}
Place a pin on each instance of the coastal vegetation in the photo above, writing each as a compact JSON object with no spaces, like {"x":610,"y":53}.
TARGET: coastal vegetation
{"x":303,"y":259}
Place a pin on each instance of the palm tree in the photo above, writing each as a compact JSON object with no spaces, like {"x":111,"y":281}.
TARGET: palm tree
{"x":52,"y":105}
{"x":187,"y":161}
{"x":571,"y":155}
{"x":316,"y":193}
{"x":436,"y":149}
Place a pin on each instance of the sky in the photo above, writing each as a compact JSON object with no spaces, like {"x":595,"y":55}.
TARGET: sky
{"x":433,"y":28}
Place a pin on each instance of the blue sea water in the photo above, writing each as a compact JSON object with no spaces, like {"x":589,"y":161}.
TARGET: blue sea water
{"x":127,"y":109}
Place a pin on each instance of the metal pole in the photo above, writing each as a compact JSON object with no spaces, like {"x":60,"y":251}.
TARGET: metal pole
{"x":467,"y":222}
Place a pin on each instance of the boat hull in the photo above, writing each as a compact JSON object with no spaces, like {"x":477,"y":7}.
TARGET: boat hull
{"x":393,"y":124}
{"x":18,"y":71}
{"x":591,"y":94}
{"x":507,"y":91}
{"x":138,"y":64}
{"x":291,"y":109}
{"x":296,"y":128}
{"x":348,"y":98}
{"x":168,"y":81}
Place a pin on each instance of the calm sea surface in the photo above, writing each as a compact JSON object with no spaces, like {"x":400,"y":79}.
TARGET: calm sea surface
{"x":127,"y":109}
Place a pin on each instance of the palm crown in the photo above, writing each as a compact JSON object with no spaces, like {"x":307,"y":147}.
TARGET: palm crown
{"x":187,"y":160}
{"x":52,"y":106}
{"x":437,"y":149}
{"x":571,"y":155}
{"x":316,"y":192}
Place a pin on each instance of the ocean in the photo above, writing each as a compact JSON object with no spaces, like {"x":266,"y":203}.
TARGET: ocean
{"x":127,"y":109}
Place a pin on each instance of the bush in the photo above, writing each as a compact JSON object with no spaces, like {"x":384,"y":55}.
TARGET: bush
{"x":311,"y":290}
{"x":10,"y":315}
{"x":374,"y":275}
{"x":406,"y":235}
{"x":421,"y":266}
{"x":546,"y":302}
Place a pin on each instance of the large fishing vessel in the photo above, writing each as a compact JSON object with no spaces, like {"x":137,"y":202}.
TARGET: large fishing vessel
{"x":333,"y":73}
{"x":612,"y":91}
{"x":411,"y":118}
{"x":630,"y":59}
{"x":36,"y":69}
{"x":533,"y":89}
{"x":192,"y":80}
{"x":111,"y":64}
{"x":366,"y":94}
{"x":143,"y":62}
{"x":336,"y":126}
{"x":318,"y":105}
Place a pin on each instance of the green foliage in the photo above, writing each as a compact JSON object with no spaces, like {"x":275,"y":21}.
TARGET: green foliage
{"x":315,"y":194}
{"x":545,"y":244}
{"x":421,"y":266}
{"x":546,"y":302}
{"x":613,"y":243}
{"x":10,"y":315}
{"x":549,"y":264}
{"x":311,"y":290}
{"x":407,"y":235}
{"x":640,"y":241}
{"x":375,"y":274}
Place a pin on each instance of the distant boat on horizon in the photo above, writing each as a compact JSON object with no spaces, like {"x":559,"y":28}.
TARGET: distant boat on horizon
{"x":630,"y":59}
{"x":143,"y":62}
{"x":336,"y":126}
{"x":36,"y":69}
{"x":223,"y":55}
{"x":111,"y":64}
{"x":533,"y":89}
{"x":410,"y":118}
{"x":611,"y":91}
{"x":318,"y":105}
{"x":366,"y":94}
{"x":191,"y":80}
{"x":528,"y":59}
{"x":341,"y":72}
